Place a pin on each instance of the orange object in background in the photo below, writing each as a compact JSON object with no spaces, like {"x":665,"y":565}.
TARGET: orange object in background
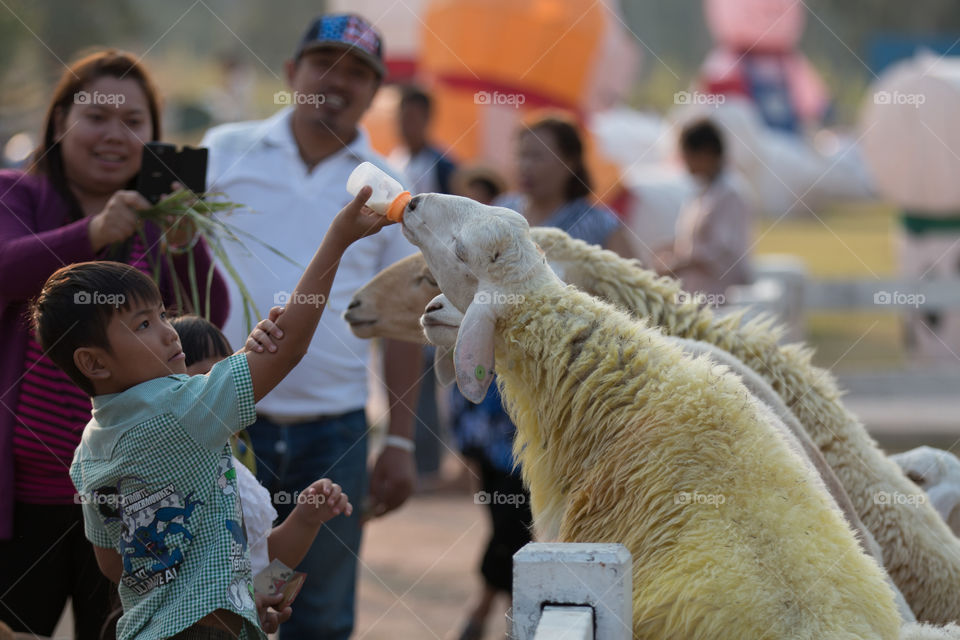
{"x":490,"y":63}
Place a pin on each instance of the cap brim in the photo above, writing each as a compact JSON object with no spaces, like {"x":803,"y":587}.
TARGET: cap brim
{"x":372,"y":60}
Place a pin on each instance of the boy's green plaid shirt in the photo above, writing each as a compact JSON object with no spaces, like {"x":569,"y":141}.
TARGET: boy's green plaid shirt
{"x":156,"y":479}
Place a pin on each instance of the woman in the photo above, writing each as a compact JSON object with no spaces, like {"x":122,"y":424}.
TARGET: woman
{"x":555,"y":188}
{"x":74,"y":204}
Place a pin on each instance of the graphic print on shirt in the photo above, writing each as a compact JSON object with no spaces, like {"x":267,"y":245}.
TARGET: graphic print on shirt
{"x":240,"y":591}
{"x":227,"y":480}
{"x":149,"y":518}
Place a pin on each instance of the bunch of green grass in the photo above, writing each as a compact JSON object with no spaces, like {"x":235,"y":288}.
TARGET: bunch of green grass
{"x":185,"y":209}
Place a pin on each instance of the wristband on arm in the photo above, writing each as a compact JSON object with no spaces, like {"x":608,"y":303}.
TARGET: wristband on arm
{"x":399,"y":442}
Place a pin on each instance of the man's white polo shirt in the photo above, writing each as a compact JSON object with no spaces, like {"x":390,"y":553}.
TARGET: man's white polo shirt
{"x":257,"y":164}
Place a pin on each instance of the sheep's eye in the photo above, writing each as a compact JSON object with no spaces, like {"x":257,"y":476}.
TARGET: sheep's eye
{"x":460,"y":251}
{"x":427,"y":278}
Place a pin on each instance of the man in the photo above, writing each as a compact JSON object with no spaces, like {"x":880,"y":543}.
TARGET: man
{"x":711,"y":250}
{"x":428,"y":169}
{"x":291,"y":171}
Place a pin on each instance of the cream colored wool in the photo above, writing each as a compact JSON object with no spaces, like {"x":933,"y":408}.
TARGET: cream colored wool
{"x":774,"y":560}
{"x":920,"y":552}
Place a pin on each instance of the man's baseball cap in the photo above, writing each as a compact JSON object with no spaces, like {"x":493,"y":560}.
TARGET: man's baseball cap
{"x":346,"y":31}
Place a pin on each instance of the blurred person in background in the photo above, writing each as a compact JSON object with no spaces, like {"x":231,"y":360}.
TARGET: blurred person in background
{"x":711,"y":249}
{"x":291,"y":171}
{"x":555,"y":187}
{"x":479,"y":183}
{"x":427,"y":169}
{"x":75,"y":203}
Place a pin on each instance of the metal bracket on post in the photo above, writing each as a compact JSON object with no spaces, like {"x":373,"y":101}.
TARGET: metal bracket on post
{"x":573,"y":575}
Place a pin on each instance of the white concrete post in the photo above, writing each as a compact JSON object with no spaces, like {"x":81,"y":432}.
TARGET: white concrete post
{"x":598,"y":576}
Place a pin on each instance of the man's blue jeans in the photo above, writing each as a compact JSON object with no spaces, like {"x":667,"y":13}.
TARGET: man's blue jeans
{"x":289,"y":459}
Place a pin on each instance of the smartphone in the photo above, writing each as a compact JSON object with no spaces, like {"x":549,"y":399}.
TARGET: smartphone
{"x":163,"y":164}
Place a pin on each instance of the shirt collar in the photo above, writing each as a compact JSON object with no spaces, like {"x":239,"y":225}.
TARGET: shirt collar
{"x":110,"y":408}
{"x":277,"y":132}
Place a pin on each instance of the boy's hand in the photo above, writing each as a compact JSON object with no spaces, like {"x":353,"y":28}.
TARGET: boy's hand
{"x":271,"y":619}
{"x":260,"y":338}
{"x":356,"y":221}
{"x":322,"y":501}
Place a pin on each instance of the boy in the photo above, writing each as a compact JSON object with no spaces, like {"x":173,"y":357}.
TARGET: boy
{"x":711,"y":250}
{"x":154,"y":469}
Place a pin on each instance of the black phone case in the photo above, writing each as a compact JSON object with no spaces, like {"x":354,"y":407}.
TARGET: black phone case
{"x":162,"y":164}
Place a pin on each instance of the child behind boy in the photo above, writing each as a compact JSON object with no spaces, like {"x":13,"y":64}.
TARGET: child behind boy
{"x":204,"y":345}
{"x":151,"y":456}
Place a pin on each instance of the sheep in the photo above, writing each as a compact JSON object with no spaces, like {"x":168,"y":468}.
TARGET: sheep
{"x":937,"y":472}
{"x":441,"y":322}
{"x":617,"y":429}
{"x":920,"y":552}
{"x":384,"y":308}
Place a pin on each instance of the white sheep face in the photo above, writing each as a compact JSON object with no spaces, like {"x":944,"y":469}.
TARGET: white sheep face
{"x":483,"y":260}
{"x":441,"y":322}
{"x":463,"y":242}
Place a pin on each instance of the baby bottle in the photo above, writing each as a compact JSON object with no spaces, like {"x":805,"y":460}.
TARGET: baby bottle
{"x":388,"y":198}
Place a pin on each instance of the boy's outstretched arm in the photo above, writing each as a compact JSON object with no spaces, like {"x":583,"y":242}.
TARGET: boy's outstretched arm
{"x":302,"y":313}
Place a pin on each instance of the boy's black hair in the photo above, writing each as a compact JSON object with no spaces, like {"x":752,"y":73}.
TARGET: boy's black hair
{"x":702,"y":135}
{"x":76,"y":305}
{"x":200,"y":339}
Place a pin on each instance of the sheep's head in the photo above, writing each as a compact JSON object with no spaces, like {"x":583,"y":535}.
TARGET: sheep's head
{"x":389,"y":306}
{"x":484,"y":261}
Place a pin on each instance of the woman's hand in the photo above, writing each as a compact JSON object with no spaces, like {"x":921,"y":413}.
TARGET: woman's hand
{"x":178,"y":232}
{"x":117,"y":221}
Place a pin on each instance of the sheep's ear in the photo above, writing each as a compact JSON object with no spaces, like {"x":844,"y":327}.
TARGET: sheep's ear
{"x":473,"y":354}
{"x":443,"y":365}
